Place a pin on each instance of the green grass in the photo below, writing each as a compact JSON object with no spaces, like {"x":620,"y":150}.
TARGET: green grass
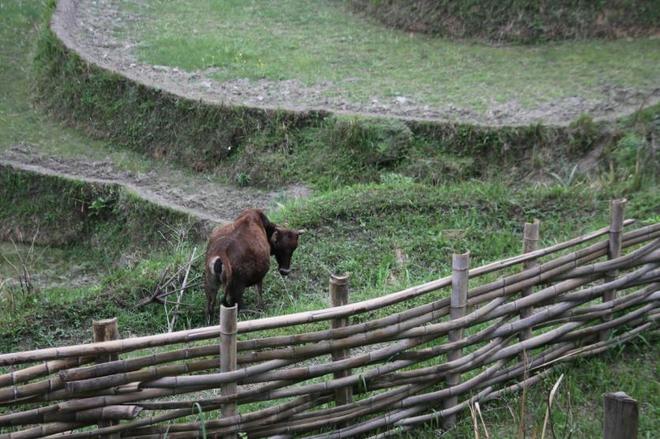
{"x":388,"y":236}
{"x":578,"y":406}
{"x":314,"y":42}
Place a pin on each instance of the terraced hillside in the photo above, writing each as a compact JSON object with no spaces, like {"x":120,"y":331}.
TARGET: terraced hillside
{"x":306,"y":55}
{"x":385,"y":199}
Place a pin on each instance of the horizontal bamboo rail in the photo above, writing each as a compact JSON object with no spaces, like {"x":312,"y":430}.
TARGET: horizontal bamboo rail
{"x":383,"y":360}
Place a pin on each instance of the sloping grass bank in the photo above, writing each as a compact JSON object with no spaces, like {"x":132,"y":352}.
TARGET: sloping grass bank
{"x":521,"y":21}
{"x":62,"y":211}
{"x":107,"y":105}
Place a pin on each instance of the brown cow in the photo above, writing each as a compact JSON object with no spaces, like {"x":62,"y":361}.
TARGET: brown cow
{"x":238,"y":256}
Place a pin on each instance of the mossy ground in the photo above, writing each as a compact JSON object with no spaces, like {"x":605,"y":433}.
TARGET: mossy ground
{"x":388,"y":227}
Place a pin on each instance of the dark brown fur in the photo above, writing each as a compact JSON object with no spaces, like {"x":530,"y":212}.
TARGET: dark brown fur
{"x":238,"y":256}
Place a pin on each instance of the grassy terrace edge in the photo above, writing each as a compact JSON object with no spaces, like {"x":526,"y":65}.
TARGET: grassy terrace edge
{"x":63,"y":211}
{"x":200,"y":135}
{"x":521,"y":21}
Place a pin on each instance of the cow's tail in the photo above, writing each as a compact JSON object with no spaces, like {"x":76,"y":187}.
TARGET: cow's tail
{"x":216,"y":266}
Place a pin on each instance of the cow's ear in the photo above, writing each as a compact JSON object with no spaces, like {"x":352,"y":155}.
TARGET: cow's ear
{"x":300,"y":231}
{"x":268,"y":226}
{"x":275,"y":236}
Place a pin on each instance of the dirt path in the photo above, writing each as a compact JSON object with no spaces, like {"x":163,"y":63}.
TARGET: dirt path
{"x":169,"y":187}
{"x":90,"y":28}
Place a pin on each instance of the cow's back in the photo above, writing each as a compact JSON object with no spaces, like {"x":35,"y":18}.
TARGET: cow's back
{"x":243,"y":246}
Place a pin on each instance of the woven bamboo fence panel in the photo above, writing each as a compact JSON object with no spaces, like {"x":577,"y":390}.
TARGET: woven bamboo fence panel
{"x":370,"y":368}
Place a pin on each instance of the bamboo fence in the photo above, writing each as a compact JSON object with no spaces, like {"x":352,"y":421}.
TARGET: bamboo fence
{"x":354,"y":369}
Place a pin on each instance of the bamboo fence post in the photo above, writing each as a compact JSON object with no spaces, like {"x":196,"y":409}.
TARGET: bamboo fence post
{"x":459,"y":287}
{"x":228,"y":329}
{"x":105,"y":330}
{"x":339,"y":297}
{"x":614,"y":250}
{"x":621,"y":416}
{"x":530,"y":244}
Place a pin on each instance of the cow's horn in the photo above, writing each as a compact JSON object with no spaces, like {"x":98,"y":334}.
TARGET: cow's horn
{"x":301,"y":231}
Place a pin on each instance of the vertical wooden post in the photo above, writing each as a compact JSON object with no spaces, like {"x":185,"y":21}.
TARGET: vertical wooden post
{"x":614,"y":251}
{"x":228,"y":358}
{"x":530,"y":243}
{"x":338,"y":297}
{"x":621,"y":416}
{"x":105,"y":330}
{"x":459,"y":288}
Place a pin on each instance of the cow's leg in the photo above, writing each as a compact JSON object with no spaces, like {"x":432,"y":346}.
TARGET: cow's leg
{"x":211,"y":289}
{"x":211,"y":310}
{"x":260,"y":303}
{"x":233,"y":295}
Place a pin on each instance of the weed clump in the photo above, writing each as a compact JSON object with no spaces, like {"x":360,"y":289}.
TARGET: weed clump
{"x":379,"y":142}
{"x":631,"y":162}
{"x":441,"y":168}
{"x":585,"y":134}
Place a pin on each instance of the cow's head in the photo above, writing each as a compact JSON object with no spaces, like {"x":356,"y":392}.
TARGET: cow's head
{"x":283,"y":242}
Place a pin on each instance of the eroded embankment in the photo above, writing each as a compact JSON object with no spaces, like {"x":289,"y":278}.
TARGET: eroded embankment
{"x":52,"y":208}
{"x":200,"y":133}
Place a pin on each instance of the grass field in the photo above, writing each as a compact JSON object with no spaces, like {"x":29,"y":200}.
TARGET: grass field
{"x":320,"y":42}
{"x":391,"y":233}
{"x":388,"y":236}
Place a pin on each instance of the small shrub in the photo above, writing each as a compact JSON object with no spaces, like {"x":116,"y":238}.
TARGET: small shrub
{"x":631,"y":161}
{"x":584,"y":135}
{"x":393,"y":179}
{"x":242,"y":179}
{"x":628,"y":150}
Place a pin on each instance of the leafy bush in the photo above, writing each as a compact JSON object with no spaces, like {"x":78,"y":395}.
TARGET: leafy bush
{"x":631,"y":161}
{"x":584,"y":134}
